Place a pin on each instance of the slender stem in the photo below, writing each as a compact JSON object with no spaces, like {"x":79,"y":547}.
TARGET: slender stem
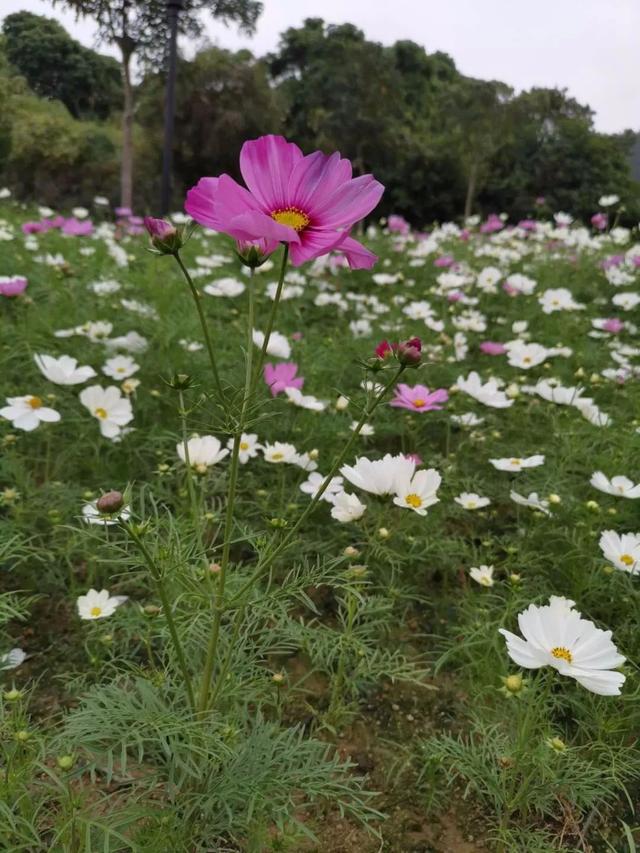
{"x":270,"y":557}
{"x":168,"y":613}
{"x":249,"y":385}
{"x":274,"y":310}
{"x":185,"y":444}
{"x":203,"y":323}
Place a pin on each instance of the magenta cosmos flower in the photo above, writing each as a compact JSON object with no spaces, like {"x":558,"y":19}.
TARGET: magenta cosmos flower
{"x":309,"y":202}
{"x":418,"y":398}
{"x":281,"y":376}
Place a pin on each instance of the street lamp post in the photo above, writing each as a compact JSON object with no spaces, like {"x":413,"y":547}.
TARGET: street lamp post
{"x":173,"y":12}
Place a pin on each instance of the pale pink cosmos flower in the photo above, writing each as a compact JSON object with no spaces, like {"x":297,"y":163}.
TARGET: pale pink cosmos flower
{"x":418,"y":398}
{"x":613,"y":325}
{"x":12,"y":285}
{"x":281,"y":376}
{"x":309,"y":202}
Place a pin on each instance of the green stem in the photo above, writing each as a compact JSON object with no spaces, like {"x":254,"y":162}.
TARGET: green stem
{"x":203,"y":323}
{"x":270,"y":557}
{"x":274,"y":311}
{"x":249,"y":386}
{"x":185,"y":443}
{"x":168,"y":613}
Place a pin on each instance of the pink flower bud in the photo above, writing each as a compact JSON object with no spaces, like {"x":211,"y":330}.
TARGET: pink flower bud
{"x":12,"y":285}
{"x":165,"y":237}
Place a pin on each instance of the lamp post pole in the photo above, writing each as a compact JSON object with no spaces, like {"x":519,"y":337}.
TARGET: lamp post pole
{"x":173,"y":12}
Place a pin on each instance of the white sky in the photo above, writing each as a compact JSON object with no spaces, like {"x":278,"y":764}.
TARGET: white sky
{"x":589,"y":47}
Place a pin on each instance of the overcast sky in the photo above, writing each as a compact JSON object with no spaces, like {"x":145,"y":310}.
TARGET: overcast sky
{"x":590,"y":47}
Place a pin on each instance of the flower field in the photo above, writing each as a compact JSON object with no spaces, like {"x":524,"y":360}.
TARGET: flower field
{"x":304,"y":557}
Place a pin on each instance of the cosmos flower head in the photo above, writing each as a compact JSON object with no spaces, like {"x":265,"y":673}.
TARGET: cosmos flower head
{"x":556,"y":635}
{"x":310,"y":202}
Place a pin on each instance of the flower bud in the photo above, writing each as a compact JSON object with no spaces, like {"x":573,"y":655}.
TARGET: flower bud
{"x":65,"y":762}
{"x":22,"y":736}
{"x":278,"y":678}
{"x":13,"y":695}
{"x":166,"y":239}
{"x":341,"y":403}
{"x":409,"y":352}
{"x":513,"y":683}
{"x":253,"y":253}
{"x":110,"y":502}
{"x":557,"y":744}
{"x":383,"y":533}
{"x":350,"y":551}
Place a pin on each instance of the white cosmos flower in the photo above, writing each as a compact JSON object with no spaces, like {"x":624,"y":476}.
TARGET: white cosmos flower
{"x":278,"y":345}
{"x":63,"y":370}
{"x":559,"y":637}
{"x":468,"y":419}
{"x":28,"y":412}
{"x":304,"y":461}
{"x":248,"y":448}
{"x":131,"y":342}
{"x":365,"y":429}
{"x":593,"y":413}
{"x":558,"y":299}
{"x":620,"y":486}
{"x":224,"y":287}
{"x":516,"y":463}
{"x":419,"y":492}
{"x":120,"y":367}
{"x":626,"y":301}
{"x":608,"y":200}
{"x":305,"y":401}
{"x":98,"y":605}
{"x":482,"y":575}
{"x":380,"y":476}
{"x":347,"y":507}
{"x":313,"y":482}
{"x":280,"y":452}
{"x":522,"y":283}
{"x":105,"y":288}
{"x":470,"y":500}
{"x":559,"y":394}
{"x":622,"y":550}
{"x":525,"y":356}
{"x":486,"y":393}
{"x":108,"y":405}
{"x":532,"y":501}
{"x":12,"y":659}
{"x":204,"y":451}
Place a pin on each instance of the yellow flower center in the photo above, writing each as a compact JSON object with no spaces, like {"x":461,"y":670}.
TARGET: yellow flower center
{"x":200,"y":468}
{"x":100,"y":412}
{"x":413,"y":500}
{"x":472,"y":504}
{"x":419,"y":403}
{"x":96,"y":611}
{"x":526,"y":360}
{"x":35,"y":402}
{"x":277,"y":456}
{"x":291,"y":216}
{"x":244,"y":445}
{"x":561,"y":653}
{"x":627,"y":559}
{"x":486,"y":580}
{"x":516,"y":461}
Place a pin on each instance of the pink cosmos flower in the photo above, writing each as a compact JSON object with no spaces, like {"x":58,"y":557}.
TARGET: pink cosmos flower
{"x":613,"y":325}
{"x":444,"y":261}
{"x":418,"y":398}
{"x":281,"y":376}
{"x":12,"y":285}
{"x":76,"y":227}
{"x":309,"y":202}
{"x":492,"y":223}
{"x":397,"y":224}
{"x":414,"y":457}
{"x":600,"y":221}
{"x":492,"y":348}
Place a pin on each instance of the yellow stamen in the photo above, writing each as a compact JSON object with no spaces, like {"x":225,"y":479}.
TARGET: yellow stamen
{"x":413,"y":500}
{"x":291,"y":216}
{"x":96,"y":611}
{"x":100,"y":412}
{"x":627,"y":559}
{"x":561,"y":653}
{"x":419,"y":403}
{"x":277,"y":456}
{"x":35,"y":402}
{"x":516,"y":461}
{"x":244,"y":445}
{"x":472,"y":504}
{"x":526,"y":360}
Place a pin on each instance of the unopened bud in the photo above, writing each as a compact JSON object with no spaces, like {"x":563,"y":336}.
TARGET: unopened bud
{"x":409,"y":352}
{"x":65,"y":762}
{"x":110,"y":502}
{"x":166,"y":239}
{"x":557,"y":744}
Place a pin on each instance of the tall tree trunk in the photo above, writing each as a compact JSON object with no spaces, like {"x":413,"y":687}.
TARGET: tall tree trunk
{"x":126,"y":166}
{"x":471,"y":189}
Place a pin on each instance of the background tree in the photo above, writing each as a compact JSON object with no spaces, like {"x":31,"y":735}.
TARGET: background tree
{"x":140,"y":28}
{"x":222,"y":99}
{"x":58,"y":67}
